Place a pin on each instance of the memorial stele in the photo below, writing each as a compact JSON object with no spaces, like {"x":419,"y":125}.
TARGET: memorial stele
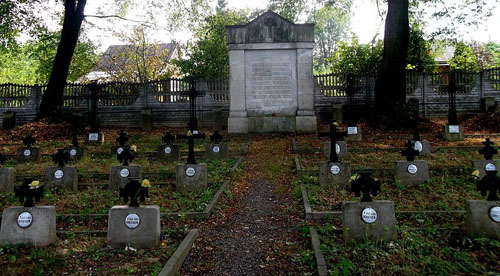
{"x":271,"y":85}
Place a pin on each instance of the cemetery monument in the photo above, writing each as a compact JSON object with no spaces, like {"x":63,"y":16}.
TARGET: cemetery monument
{"x":28,"y":153}
{"x":411,"y":172}
{"x":7,"y":176}
{"x":61,"y":177}
{"x":333,"y":172}
{"x":216,"y":149}
{"x":488,"y":164}
{"x":168,"y":151}
{"x":119,"y":175}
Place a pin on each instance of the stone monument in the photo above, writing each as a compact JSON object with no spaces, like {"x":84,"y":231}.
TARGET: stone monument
{"x":483,"y":216}
{"x":422,"y":146}
{"x":216,"y":149}
{"x":191,"y":176}
{"x":29,"y":225}
{"x":134,"y":225}
{"x":95,"y":135}
{"x":61,"y":177}
{"x":488,"y":164}
{"x":271,"y":85}
{"x":411,"y":172}
{"x":453,"y":131}
{"x":7,"y":176}
{"x":340,"y":146}
{"x":374,"y":220}
{"x":75,"y":151}
{"x":333,"y":172}
{"x":119,"y":175}
{"x":168,"y":151}
{"x":353,"y":130}
{"x":28,"y":153}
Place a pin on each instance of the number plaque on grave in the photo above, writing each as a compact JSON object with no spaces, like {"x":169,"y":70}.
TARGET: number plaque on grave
{"x":454,"y":129}
{"x":352,"y":130}
{"x":124,"y":173}
{"x":369,"y":215}
{"x":93,"y":136}
{"x":72,"y":152}
{"x":337,"y":149}
{"x":495,"y":213}
{"x":58,"y":174}
{"x":418,"y":146}
{"x":119,"y":150}
{"x":168,"y":150}
{"x":24,"y":219}
{"x":334,"y":169}
{"x":412,"y":169}
{"x":190,"y":171}
{"x":216,"y":149}
{"x":27,"y":152}
{"x":132,"y":221}
{"x":489,"y":167}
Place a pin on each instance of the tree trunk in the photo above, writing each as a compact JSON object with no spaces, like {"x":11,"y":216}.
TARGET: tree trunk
{"x":390,"y":86}
{"x":52,"y":99}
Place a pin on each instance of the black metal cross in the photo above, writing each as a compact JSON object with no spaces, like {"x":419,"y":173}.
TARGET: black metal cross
{"x":61,"y":157}
{"x":94,"y":99}
{"x":334,"y":136}
{"x":350,"y":89}
{"x":452,"y":88}
{"x":27,"y":192}
{"x":365,"y":184}
{"x":488,"y":151}
{"x":75,"y":126}
{"x":216,"y":137}
{"x":190,"y":136}
{"x":490,"y":184}
{"x":134,"y":192}
{"x":126,"y":156}
{"x":2,"y":159}
{"x":192,"y":94}
{"x":28,"y":141}
{"x":168,"y":139}
{"x":122,"y":138}
{"x":409,"y":152}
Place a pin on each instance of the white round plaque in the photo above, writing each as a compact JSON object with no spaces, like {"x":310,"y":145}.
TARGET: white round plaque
{"x":119,"y":150}
{"x":132,"y":221}
{"x":337,"y":149}
{"x":72,"y":152}
{"x":489,"y":167}
{"x":412,"y":169}
{"x":369,"y":215}
{"x":216,"y":149}
{"x":168,"y":150}
{"x":334,"y":169}
{"x":495,"y":213}
{"x":27,"y":152}
{"x":124,"y":173}
{"x":195,"y":132}
{"x":190,"y":171}
{"x":58,"y":174}
{"x":418,"y":146}
{"x":24,"y":219}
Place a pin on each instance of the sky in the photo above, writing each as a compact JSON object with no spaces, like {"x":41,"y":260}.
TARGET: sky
{"x":365,"y":22}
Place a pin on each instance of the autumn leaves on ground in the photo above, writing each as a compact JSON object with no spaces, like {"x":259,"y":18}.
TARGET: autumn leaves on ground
{"x":259,"y":234}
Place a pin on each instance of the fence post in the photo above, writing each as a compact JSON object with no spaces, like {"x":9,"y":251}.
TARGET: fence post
{"x":37,"y":93}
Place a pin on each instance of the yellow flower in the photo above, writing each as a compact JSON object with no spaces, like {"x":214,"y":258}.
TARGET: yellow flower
{"x":335,"y":124}
{"x":189,"y":133}
{"x":35,"y":184}
{"x":133,"y":148}
{"x":475,"y":174}
{"x":355,"y":176}
{"x":146,"y":183}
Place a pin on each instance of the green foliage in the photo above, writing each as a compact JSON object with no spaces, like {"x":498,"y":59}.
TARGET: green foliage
{"x":208,"y":56}
{"x":495,"y":50}
{"x":289,"y":9}
{"x":16,"y":16}
{"x":420,"y":57}
{"x":464,"y":58}
{"x":356,"y":58}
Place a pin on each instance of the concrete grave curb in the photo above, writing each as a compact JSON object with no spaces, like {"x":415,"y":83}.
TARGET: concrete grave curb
{"x":318,"y":255}
{"x":175,"y":262}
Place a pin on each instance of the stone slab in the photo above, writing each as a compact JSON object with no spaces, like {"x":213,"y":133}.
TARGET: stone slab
{"x":426,"y":148}
{"x":68,"y":181}
{"x":478,"y":220}
{"x":237,"y":125}
{"x":196,"y":182}
{"x":216,"y":151}
{"x":7,"y":179}
{"x":271,"y":124}
{"x":41,"y":231}
{"x":337,"y":112}
{"x":169,"y":153}
{"x":76,"y":153}
{"x":383,"y":229}
{"x":409,"y":180}
{"x":145,"y":235}
{"x":306,"y":124}
{"x":328,"y":179}
{"x":342,"y":150}
{"x":23,"y":157}
{"x":453,"y":136}
{"x":99,"y":140}
{"x":117,"y":181}
{"x":480,"y":166}
{"x":354,"y":137}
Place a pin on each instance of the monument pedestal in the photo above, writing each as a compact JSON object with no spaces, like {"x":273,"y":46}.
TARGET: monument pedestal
{"x":32,"y":226}
{"x":341,"y":148}
{"x":138,"y":227}
{"x":95,"y":137}
{"x":118,"y":176}
{"x":216,"y":151}
{"x":424,"y":149}
{"x":190,"y":177}
{"x":64,"y":178}
{"x":353,"y":134}
{"x":454,"y":132}
{"x":7,"y":179}
{"x":334,"y":174}
{"x":76,"y":153}
{"x":483,"y":218}
{"x":480,"y":165}
{"x":374,"y":220}
{"x":306,"y":124}
{"x":25,"y":155}
{"x":169,"y":153}
{"x":237,"y":125}
{"x":412,"y":173}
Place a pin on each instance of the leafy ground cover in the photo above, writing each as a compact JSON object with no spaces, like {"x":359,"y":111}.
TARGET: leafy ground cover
{"x":415,"y":252}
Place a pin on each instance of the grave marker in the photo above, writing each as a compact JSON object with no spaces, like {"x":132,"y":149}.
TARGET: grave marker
{"x":191,"y":176}
{"x":422,"y":146}
{"x":488,"y":164}
{"x":28,"y":153}
{"x":216,"y":149}
{"x":7,"y":176}
{"x":368,"y":219}
{"x":168,"y":151}
{"x":411,"y":172}
{"x":75,"y":151}
{"x":453,"y":130}
{"x":122,"y":140}
{"x":333,"y":172}
{"x":119,"y":175}
{"x":353,"y":130}
{"x":95,"y":135}
{"x":61,"y":177}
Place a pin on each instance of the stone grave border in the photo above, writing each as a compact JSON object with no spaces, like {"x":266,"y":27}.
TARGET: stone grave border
{"x":176,"y":261}
{"x":205,"y":214}
{"x":318,"y":255}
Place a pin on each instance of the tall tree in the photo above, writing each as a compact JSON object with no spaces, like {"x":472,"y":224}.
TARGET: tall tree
{"x":52,"y":99}
{"x":390,"y":86}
